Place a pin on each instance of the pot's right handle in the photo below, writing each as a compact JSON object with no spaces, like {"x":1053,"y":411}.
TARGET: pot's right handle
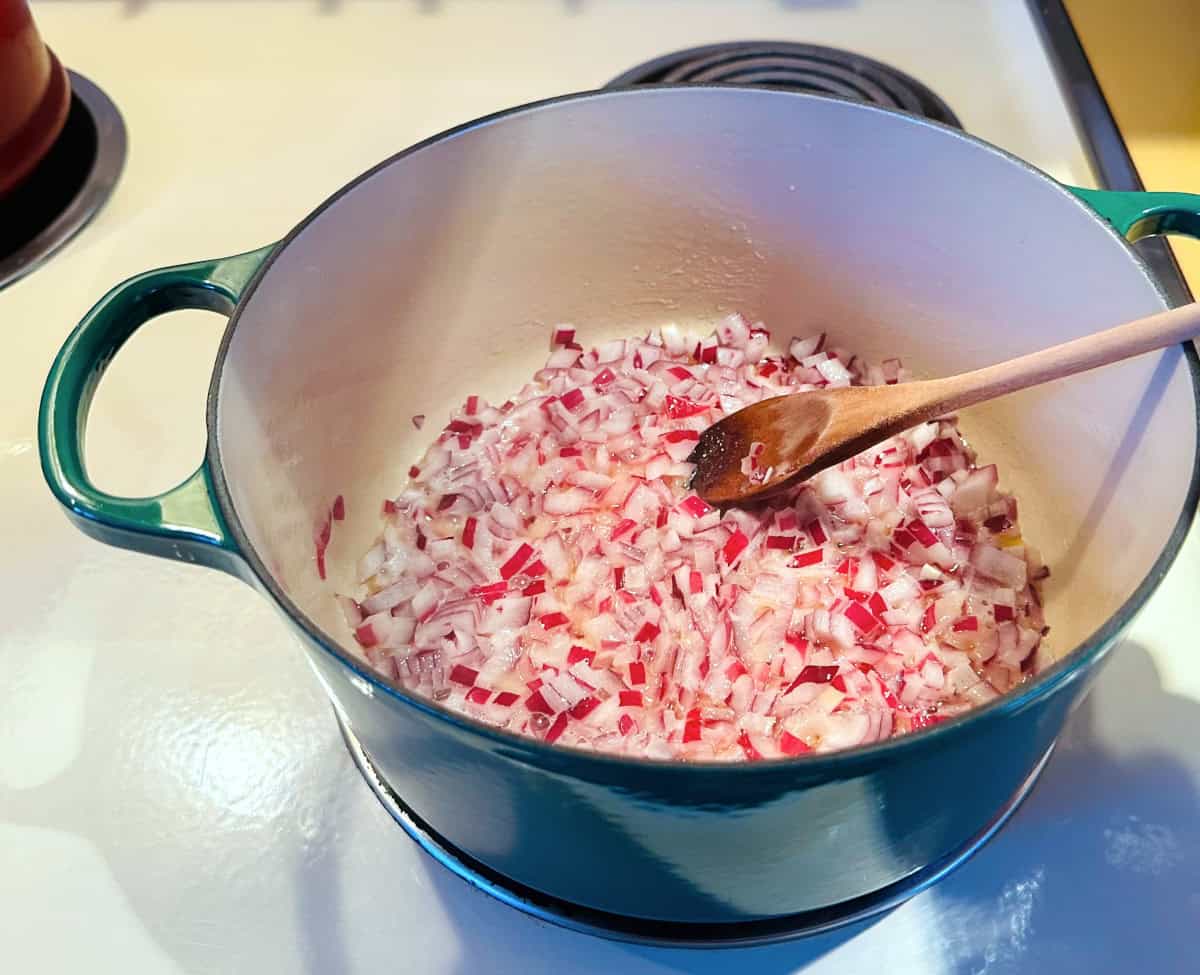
{"x":185,"y":522}
{"x":1137,"y":214}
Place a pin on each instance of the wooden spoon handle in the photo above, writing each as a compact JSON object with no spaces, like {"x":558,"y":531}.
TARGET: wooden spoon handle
{"x":1079,"y":355}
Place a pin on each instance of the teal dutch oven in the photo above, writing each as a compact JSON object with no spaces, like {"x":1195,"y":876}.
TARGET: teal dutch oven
{"x":437,"y":274}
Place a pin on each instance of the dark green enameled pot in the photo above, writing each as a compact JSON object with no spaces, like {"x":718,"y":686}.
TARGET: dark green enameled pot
{"x":437,"y":273}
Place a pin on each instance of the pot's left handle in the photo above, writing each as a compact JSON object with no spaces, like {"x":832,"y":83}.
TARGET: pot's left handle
{"x":185,"y":522}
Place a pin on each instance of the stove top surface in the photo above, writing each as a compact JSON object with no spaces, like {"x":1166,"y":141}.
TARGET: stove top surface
{"x":174,"y":794}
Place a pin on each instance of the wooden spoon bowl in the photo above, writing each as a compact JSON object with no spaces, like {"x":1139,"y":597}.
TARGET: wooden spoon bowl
{"x":804,"y":433}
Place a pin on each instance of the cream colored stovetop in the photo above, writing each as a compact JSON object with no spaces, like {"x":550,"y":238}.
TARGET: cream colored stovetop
{"x":173,"y":793}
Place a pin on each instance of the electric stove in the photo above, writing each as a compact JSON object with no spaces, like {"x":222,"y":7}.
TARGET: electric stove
{"x":175,"y":795}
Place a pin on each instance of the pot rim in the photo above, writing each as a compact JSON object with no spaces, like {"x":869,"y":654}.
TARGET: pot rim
{"x":525,"y":748}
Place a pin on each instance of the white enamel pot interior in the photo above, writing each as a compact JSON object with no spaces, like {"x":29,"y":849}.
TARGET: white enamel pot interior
{"x":439,"y":273}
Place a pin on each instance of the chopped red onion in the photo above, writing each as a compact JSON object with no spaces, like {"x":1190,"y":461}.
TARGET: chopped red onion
{"x":547,"y":571}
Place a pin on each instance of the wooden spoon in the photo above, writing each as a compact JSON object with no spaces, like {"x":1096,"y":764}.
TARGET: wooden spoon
{"x":804,"y":433}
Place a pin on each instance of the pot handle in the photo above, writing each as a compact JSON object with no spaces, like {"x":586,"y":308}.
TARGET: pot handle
{"x":183,"y":523}
{"x":1137,"y":214}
